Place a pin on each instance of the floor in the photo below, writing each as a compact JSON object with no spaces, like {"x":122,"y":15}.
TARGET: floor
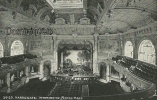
{"x":38,"y":88}
{"x":34,"y":88}
{"x":98,"y":89}
{"x":67,"y":90}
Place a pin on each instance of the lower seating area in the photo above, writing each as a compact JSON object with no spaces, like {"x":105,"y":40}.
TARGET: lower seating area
{"x":67,"y":89}
{"x":144,"y":75}
{"x":34,"y":88}
{"x":99,"y":89}
{"x":141,"y":69}
{"x":38,"y":88}
{"x":95,"y":89}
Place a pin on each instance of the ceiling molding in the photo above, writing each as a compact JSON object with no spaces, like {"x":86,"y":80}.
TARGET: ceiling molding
{"x":123,"y":21}
{"x":138,"y":8}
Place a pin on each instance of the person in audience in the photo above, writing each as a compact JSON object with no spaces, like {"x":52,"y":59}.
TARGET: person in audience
{"x":27,"y":79}
{"x":23,"y":79}
{"x":12,"y":78}
{"x":132,"y":68}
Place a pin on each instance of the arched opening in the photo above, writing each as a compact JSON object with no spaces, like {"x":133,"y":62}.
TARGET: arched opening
{"x":102,"y":69}
{"x":1,"y":50}
{"x":47,"y":69}
{"x":146,"y":52}
{"x":17,"y":48}
{"x":128,"y":49}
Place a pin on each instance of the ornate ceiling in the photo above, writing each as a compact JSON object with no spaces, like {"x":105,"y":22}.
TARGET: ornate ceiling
{"x":109,"y":16}
{"x":129,"y":14}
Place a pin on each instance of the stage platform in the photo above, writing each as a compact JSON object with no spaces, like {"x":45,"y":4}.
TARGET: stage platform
{"x":74,"y":78}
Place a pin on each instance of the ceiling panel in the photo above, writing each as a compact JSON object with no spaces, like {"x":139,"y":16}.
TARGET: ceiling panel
{"x":121,"y":19}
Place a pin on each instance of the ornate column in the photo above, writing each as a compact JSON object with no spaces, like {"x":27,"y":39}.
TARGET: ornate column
{"x":27,"y":70}
{"x":55,"y":56}
{"x":121,"y":50}
{"x":108,"y":73}
{"x":135,"y":49}
{"x":8,"y":82}
{"x":62,"y":60}
{"x":6,"y":46}
{"x":41,"y":70}
{"x":95,"y":55}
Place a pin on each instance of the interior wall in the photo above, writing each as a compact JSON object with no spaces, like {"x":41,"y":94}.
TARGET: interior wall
{"x":8,"y":40}
{"x":108,"y":47}
{"x":136,"y":36}
{"x":41,"y":45}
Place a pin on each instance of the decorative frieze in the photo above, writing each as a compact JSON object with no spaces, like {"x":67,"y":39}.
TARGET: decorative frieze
{"x":59,"y":21}
{"x":145,"y":30}
{"x":108,"y":44}
{"x":85,"y":21}
{"x":43,"y":45}
{"x":71,"y":29}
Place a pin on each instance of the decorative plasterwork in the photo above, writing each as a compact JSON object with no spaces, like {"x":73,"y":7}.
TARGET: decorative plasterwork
{"x":145,"y":30}
{"x":85,"y":21}
{"x":71,"y":29}
{"x":59,"y":21}
{"x":63,"y":4}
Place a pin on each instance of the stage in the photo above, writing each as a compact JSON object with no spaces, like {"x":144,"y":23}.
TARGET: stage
{"x":83,"y":79}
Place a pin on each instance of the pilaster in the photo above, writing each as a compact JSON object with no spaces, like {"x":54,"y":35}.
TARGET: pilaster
{"x":8,"y":82}
{"x":95,"y":55}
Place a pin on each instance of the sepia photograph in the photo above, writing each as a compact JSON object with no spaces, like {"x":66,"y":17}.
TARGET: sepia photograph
{"x":78,"y":49}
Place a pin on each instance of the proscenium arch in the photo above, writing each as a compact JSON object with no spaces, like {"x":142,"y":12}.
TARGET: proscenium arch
{"x":74,"y":42}
{"x":1,"y":50}
{"x":146,"y":52}
{"x":17,"y":48}
{"x":128,"y":49}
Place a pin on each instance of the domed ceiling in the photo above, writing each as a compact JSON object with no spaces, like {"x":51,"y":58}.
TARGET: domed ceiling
{"x":108,"y":16}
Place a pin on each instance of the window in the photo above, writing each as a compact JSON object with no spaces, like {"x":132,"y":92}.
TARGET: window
{"x":146,"y":52}
{"x":128,"y":49}
{"x":17,"y":48}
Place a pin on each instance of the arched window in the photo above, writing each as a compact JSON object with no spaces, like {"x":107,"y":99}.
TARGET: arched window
{"x":1,"y":50}
{"x":128,"y":49}
{"x":17,"y":48}
{"x":146,"y":52}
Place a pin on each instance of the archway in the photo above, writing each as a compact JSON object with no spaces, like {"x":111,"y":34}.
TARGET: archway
{"x":146,"y":52}
{"x":17,"y":48}
{"x":128,"y":49}
{"x":103,"y":69}
{"x":1,"y":50}
{"x":47,"y":69}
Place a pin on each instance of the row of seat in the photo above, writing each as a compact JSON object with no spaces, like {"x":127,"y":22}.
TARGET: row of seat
{"x":70,"y":79}
{"x":101,"y":89}
{"x":142,"y":69}
{"x":147,"y":67}
{"x":144,"y":75}
{"x":67,"y":89}
{"x":16,"y":59}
